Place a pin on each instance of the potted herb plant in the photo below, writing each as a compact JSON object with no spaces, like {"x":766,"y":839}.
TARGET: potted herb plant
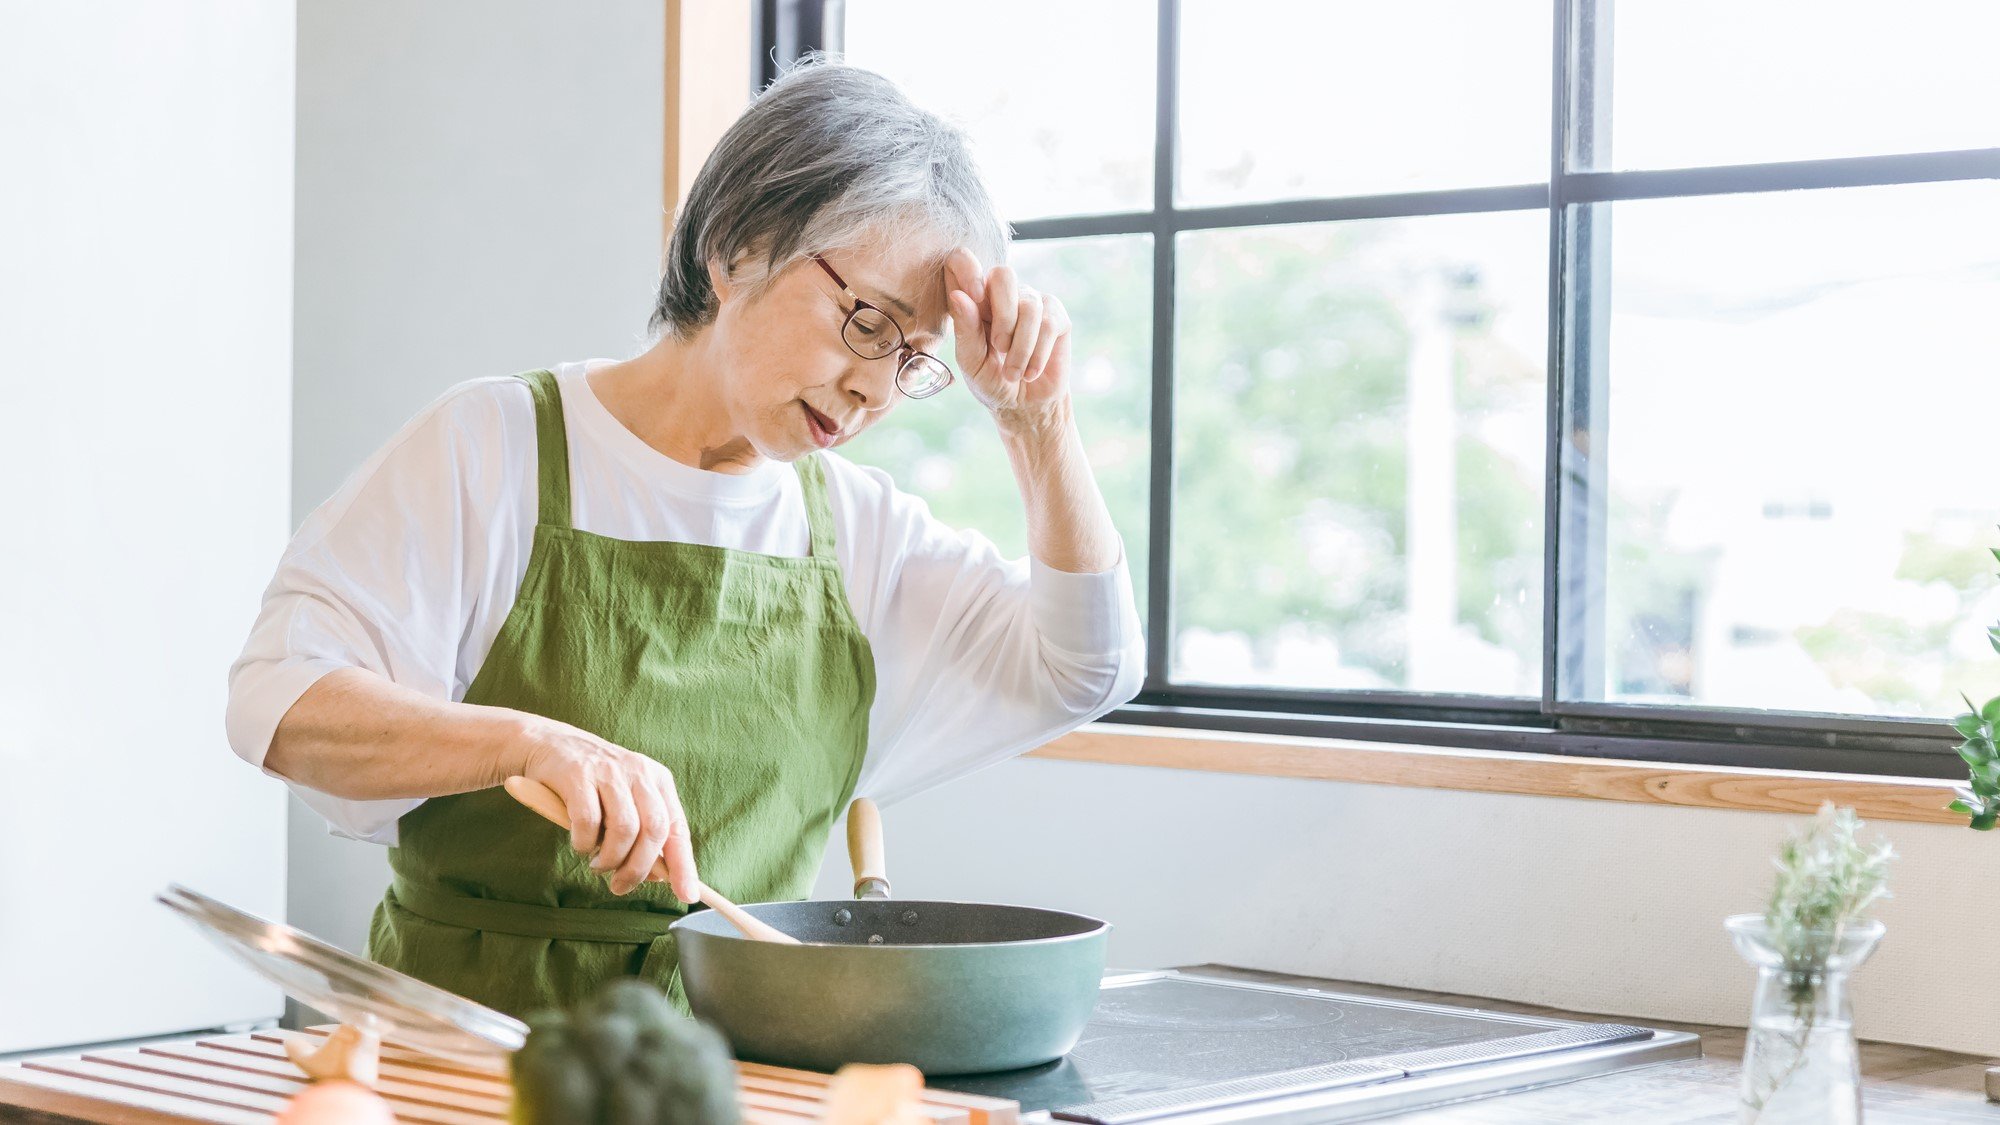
{"x":1800,"y":1063}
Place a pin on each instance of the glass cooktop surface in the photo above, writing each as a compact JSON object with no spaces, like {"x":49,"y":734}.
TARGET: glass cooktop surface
{"x":1165,"y":1043}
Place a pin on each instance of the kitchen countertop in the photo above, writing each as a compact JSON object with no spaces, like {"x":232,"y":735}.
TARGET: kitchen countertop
{"x":1902,"y":1085}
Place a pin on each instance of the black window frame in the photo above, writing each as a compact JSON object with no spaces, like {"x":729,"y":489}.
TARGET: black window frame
{"x":1691,"y":735}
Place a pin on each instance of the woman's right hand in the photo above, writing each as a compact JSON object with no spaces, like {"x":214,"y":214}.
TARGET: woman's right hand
{"x":624,"y":810}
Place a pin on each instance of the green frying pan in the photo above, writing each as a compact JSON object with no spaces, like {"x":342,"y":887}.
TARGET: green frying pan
{"x":948,"y":987}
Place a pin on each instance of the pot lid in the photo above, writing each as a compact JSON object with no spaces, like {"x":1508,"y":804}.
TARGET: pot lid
{"x":352,"y":989}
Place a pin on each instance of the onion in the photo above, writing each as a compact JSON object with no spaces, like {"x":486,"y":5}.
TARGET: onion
{"x":336,"y":1103}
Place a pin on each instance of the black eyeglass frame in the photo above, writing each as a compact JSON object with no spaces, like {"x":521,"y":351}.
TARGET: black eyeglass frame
{"x":910,"y":354}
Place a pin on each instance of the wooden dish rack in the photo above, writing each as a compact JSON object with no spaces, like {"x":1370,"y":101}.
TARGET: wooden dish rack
{"x":246,"y":1080}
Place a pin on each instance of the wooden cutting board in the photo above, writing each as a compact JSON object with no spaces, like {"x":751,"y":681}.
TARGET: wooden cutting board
{"x":246,"y":1080}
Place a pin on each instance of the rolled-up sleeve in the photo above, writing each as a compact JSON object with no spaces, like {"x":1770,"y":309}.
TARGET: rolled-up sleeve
{"x":302,"y":634}
{"x":377,"y":579}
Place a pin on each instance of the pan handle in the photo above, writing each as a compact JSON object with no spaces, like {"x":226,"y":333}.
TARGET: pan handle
{"x":864,"y":849}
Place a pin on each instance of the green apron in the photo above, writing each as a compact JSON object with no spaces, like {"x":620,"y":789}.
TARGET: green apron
{"x":745,"y":674}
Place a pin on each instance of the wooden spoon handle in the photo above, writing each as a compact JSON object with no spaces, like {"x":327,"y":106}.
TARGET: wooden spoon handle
{"x":549,"y":804}
{"x":751,"y":925}
{"x":865,"y":851}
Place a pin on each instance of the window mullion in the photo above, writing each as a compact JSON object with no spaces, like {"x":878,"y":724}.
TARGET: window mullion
{"x":1552,"y":599}
{"x":1159,"y":560}
{"x":1576,"y":556}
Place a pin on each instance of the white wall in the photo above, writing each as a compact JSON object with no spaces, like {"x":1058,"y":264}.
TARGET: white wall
{"x":1598,"y":906}
{"x":478,"y":194}
{"x":145,"y":326}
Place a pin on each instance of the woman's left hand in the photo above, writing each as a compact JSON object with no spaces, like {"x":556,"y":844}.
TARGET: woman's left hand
{"x":1013,"y":349}
{"x":1012,"y":341}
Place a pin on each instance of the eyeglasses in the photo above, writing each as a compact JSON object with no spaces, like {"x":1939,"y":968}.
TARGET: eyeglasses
{"x":873,"y":334}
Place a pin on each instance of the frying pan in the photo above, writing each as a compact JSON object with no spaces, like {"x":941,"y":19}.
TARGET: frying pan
{"x":948,"y":987}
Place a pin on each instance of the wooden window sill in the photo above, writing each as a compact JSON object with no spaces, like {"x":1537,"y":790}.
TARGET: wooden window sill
{"x":1919,"y":800}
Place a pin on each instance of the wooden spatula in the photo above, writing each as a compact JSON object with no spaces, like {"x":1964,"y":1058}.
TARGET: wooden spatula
{"x":549,"y":804}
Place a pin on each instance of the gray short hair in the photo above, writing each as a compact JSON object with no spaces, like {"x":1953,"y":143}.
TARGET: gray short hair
{"x":828,"y":157}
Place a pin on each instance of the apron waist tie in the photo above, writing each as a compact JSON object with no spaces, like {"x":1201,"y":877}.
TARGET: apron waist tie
{"x":555,"y":923}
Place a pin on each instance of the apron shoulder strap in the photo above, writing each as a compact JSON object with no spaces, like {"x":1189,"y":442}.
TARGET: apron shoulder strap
{"x":551,"y":450}
{"x":819,"y":514}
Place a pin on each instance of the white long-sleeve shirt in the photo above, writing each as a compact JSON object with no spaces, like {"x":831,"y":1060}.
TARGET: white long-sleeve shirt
{"x":410,"y":569}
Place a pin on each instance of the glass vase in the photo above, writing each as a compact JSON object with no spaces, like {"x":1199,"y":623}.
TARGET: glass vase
{"x":1800,"y":1063}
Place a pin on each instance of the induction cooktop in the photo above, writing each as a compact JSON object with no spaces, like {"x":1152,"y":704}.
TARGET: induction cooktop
{"x":1195,"y":1049}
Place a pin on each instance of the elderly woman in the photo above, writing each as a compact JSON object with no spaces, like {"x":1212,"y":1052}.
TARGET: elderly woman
{"x":652,"y":586}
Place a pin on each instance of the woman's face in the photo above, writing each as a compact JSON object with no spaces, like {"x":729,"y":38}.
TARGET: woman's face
{"x":791,"y":383}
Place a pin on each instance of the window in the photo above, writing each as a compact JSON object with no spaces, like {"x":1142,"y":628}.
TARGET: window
{"x":1556,"y":375}
{"x":1357,"y":450}
{"x":1798,"y":491}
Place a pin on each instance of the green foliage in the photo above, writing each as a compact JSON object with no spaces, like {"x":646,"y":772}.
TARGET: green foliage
{"x":623,"y":1057}
{"x":1289,"y":431}
{"x":1291,"y":493}
{"x":1878,"y":654}
{"x":1941,"y":558}
{"x":1979,"y":798}
{"x":1497,"y":559}
{"x":1827,"y":880}
{"x":1898,"y":659}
